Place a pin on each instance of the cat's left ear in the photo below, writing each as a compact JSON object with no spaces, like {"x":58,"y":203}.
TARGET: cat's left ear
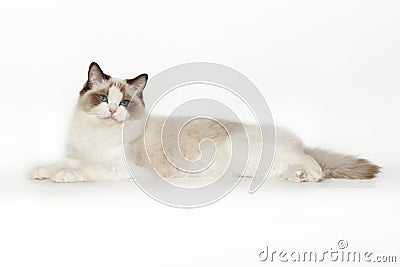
{"x":138,"y":84}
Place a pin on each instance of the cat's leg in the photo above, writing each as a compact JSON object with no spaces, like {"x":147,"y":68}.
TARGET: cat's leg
{"x":92,"y":172}
{"x":292,"y":163}
{"x":303,"y":171}
{"x":49,"y":171}
{"x":71,"y":170}
{"x":69,"y":174}
{"x":67,"y":170}
{"x":296,"y":167}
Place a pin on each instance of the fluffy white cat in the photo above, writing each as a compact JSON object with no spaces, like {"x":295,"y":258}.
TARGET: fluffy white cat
{"x":96,"y":143}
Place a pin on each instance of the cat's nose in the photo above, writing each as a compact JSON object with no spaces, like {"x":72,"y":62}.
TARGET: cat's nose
{"x":112,"y":109}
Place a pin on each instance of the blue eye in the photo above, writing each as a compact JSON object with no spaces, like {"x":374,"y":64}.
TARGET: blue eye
{"x":124,"y":103}
{"x":103,"y":98}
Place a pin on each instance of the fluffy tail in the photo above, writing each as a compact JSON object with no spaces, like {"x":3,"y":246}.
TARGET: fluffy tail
{"x":335,"y":165}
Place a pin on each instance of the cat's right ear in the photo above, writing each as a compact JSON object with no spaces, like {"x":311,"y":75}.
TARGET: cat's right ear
{"x":95,"y":74}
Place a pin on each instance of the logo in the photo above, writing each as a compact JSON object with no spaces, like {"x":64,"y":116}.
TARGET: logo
{"x":216,"y":112}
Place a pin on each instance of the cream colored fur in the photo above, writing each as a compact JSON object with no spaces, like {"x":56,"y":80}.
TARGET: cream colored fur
{"x":96,"y":144}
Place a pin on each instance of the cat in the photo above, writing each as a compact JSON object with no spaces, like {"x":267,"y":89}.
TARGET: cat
{"x":95,"y":148}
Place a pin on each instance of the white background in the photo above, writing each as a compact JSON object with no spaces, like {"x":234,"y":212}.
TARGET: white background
{"x":328,"y":69}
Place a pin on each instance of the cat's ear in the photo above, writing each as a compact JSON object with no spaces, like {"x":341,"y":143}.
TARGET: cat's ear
{"x":138,"y":83}
{"x":95,"y":74}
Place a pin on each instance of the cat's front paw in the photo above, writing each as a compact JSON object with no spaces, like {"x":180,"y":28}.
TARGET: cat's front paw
{"x":40,"y":173}
{"x":68,"y":176}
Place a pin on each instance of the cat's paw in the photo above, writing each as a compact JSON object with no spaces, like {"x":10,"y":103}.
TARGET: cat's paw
{"x":67,"y":176}
{"x":40,"y":173}
{"x":295,"y":175}
{"x":313,"y":175}
{"x":302,"y":174}
{"x":313,"y":171}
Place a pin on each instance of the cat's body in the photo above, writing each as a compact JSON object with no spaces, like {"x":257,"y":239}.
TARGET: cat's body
{"x":96,"y":143}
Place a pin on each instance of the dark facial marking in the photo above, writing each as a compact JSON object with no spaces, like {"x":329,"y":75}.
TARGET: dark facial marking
{"x":139,"y":83}
{"x":94,"y":100}
{"x":88,"y":84}
{"x":125,"y":92}
{"x":84,"y":89}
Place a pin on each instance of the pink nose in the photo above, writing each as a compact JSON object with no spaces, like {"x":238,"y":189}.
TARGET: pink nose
{"x":112,"y":111}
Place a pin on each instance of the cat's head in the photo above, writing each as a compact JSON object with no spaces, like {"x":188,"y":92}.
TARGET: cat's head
{"x":112,"y":99}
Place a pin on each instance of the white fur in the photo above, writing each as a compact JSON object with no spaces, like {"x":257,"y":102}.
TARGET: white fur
{"x":95,"y":152}
{"x":96,"y":144}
